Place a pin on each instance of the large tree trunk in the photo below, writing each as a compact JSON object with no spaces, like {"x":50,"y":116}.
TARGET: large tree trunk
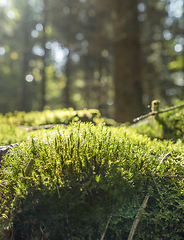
{"x":127,"y":62}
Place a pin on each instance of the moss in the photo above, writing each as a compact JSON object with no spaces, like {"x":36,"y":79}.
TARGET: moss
{"x":84,"y":173}
{"x":168,"y":125}
{"x":61,"y":116}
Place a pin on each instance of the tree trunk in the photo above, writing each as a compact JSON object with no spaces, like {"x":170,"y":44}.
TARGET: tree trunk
{"x":25,"y":105}
{"x":44,"y":78}
{"x":24,"y":94}
{"x":127,"y":62}
{"x":67,"y":99}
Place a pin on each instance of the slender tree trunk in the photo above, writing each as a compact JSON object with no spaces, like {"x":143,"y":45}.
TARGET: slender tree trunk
{"x":127,"y":62}
{"x":44,"y":39}
{"x":24,"y":93}
{"x":99,"y":90}
{"x":24,"y":106}
{"x":67,"y":101}
{"x":24,"y":98}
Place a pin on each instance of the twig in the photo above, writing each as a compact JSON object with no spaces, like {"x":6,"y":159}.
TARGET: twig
{"x":67,"y":227}
{"x":137,"y":218}
{"x":173,"y":176}
{"x":41,"y":230}
{"x":103,"y":235}
{"x":165,"y":157}
{"x":145,"y":116}
{"x":27,"y":170}
{"x":153,"y":179}
{"x":59,"y":196}
{"x":156,"y":113}
{"x":178,"y":164}
{"x":174,"y":160}
{"x":2,"y":186}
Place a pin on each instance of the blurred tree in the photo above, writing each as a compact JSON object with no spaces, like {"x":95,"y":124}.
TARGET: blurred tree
{"x":25,"y":25}
{"x":127,"y":61}
{"x":67,"y":92}
{"x":162,"y":24}
{"x":14,"y":40}
{"x":44,"y":58}
{"x":85,"y":53}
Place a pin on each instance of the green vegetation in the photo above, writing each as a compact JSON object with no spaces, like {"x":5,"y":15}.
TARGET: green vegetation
{"x":84,"y":173}
{"x":11,"y":134}
{"x":173,"y":124}
{"x":64,"y":116}
{"x":47,"y":53}
{"x":169,"y":125}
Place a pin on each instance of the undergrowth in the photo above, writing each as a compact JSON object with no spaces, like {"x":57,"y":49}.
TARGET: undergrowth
{"x":64,"y":116}
{"x":11,"y":134}
{"x":82,"y":175}
{"x":168,"y":125}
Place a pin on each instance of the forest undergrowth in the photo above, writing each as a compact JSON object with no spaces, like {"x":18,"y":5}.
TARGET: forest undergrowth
{"x":86,"y":180}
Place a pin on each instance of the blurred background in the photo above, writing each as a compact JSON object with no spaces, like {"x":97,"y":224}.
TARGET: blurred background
{"x":112,"y":55}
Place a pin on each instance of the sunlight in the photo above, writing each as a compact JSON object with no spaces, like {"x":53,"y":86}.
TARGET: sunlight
{"x":11,"y":14}
{"x":141,"y":7}
{"x":57,"y":51}
{"x":176,"y":9}
{"x":3,"y":3}
{"x":167,"y":35}
{"x":29,"y":78}
{"x":38,"y":50}
{"x":39,"y":27}
{"x":34,"y":33}
{"x":2,"y":51}
{"x":178,"y":48}
{"x":59,"y":55}
{"x":178,"y":78}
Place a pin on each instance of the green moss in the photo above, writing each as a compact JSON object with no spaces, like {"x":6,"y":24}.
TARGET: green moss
{"x":61,"y":116}
{"x":11,"y":134}
{"x":168,"y":125}
{"x":84,"y":173}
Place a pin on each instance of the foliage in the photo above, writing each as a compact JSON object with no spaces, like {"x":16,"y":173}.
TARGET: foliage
{"x":84,"y":173}
{"x":59,"y":116}
{"x":149,"y":127}
{"x":173,"y":124}
{"x":11,"y":134}
{"x":66,"y":54}
{"x":168,"y":125}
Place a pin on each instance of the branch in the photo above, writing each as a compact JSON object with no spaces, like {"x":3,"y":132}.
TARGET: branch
{"x":156,"y":113}
{"x":137,"y":218}
{"x":165,"y":157}
{"x":103,"y":235}
{"x":153,"y":179}
{"x":173,"y":176}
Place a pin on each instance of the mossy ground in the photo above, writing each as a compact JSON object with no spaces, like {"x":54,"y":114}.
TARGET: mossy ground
{"x":82,"y":174}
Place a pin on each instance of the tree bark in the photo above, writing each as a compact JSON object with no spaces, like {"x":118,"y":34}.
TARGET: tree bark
{"x":25,"y":105}
{"x":127,"y":62}
{"x":44,"y":77}
{"x":67,"y":100}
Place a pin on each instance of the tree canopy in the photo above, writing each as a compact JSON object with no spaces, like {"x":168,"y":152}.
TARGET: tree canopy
{"x":116,"y":56}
